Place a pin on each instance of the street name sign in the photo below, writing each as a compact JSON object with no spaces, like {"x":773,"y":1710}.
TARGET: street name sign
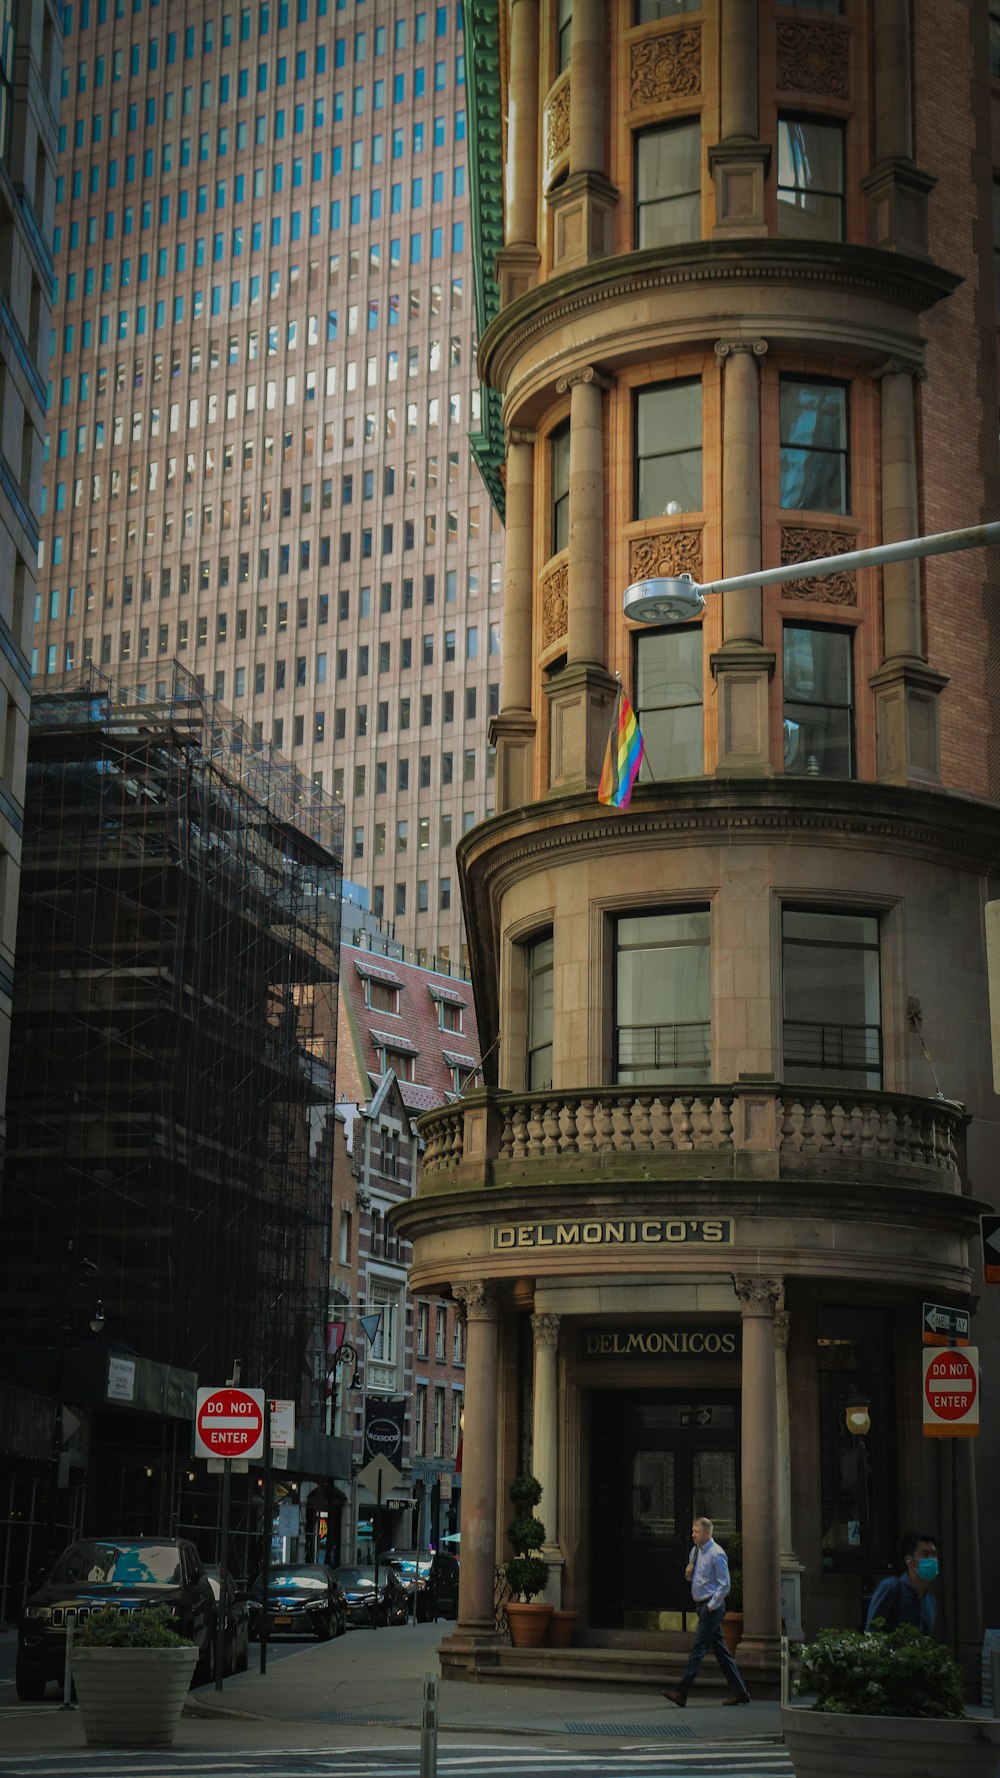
{"x":944,"y":1326}
{"x":951,"y":1392}
{"x":989,"y":1228}
{"x":229,"y":1423}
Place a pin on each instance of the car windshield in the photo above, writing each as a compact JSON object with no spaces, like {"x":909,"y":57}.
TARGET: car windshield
{"x":297,"y":1579}
{"x":357,"y":1577}
{"x":407,"y":1560}
{"x":118,"y":1565}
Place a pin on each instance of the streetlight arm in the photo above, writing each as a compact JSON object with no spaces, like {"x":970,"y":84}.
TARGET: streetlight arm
{"x":942,"y":544}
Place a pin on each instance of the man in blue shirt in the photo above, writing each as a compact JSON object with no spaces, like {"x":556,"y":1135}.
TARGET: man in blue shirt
{"x":708,"y":1572}
{"x":906,"y":1598}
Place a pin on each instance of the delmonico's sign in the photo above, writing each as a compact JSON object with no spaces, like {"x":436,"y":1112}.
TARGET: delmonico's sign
{"x":708,"y":1341}
{"x":617,"y":1231}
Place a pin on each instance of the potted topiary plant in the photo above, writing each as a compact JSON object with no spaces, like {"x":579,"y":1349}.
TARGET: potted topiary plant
{"x":132,"y":1674}
{"x":885,"y":1703}
{"x":527,"y":1575}
{"x":732,"y":1623}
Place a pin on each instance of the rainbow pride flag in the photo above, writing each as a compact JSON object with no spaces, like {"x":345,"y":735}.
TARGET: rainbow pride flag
{"x":623,"y":756}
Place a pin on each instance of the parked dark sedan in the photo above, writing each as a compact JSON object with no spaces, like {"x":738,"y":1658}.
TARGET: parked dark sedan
{"x":367,"y":1603}
{"x":414,"y":1567}
{"x":303,"y":1599}
{"x":126,"y":1572}
{"x":442,"y":1585}
{"x":237,"y":1657}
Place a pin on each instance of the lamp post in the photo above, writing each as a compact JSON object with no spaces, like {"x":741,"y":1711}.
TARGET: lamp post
{"x":673,"y":599}
{"x":857,"y":1418}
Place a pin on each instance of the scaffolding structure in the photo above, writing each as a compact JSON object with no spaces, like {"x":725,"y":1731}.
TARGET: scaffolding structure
{"x":173,"y":1060}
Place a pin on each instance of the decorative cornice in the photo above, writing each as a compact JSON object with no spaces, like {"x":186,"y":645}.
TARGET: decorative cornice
{"x":912,"y":284}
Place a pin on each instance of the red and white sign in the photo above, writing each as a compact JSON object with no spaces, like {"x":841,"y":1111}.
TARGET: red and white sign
{"x":951,"y":1392}
{"x":229,"y":1423}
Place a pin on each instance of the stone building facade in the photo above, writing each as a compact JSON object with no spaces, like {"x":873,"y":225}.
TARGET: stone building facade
{"x":741,"y":1116}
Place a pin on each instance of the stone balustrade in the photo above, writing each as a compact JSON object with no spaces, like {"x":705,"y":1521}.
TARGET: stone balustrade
{"x":742,"y":1127}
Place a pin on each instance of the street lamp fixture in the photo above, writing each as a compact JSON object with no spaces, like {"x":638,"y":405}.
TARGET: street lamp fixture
{"x":674,"y":599}
{"x":857,"y":1416}
{"x":857,"y":1419}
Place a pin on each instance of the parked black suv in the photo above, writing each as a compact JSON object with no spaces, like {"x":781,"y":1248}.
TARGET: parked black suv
{"x":127,"y":1572}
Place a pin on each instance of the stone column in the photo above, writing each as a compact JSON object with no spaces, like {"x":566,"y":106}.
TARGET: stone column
{"x":479,"y":1462}
{"x":518,"y":260}
{"x":583,"y":205}
{"x":739,"y":162}
{"x":791,"y":1568}
{"x":513,"y":731}
{"x":760,"y":1649}
{"x":580,"y":696}
{"x":906,"y":689}
{"x":545,"y":1444}
{"x":896,"y":189}
{"x":742,"y":668}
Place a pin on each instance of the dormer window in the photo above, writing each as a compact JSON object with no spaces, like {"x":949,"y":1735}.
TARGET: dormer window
{"x":381,"y":996}
{"x":449,"y":1016}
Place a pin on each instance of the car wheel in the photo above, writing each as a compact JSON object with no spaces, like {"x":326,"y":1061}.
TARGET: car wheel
{"x":29,"y":1685}
{"x":324,"y":1627}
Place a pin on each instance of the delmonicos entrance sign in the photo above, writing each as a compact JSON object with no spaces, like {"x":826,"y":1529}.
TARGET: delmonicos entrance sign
{"x":630,"y":1231}
{"x":659,"y":1342}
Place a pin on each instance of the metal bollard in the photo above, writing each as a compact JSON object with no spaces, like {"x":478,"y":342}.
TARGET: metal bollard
{"x":995,"y":1681}
{"x":786,"y":1675}
{"x":429,"y":1728}
{"x":67,"y":1702}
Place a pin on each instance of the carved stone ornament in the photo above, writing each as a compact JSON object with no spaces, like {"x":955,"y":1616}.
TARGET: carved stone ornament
{"x":477,"y":1301}
{"x":546,"y":1329}
{"x":758,"y":1296}
{"x":725,"y":348}
{"x":557,"y":123}
{"x":813,"y":59}
{"x":800,"y":544}
{"x":555,"y":605}
{"x":669,"y":553}
{"x":665,"y":67}
{"x":782,"y":1330}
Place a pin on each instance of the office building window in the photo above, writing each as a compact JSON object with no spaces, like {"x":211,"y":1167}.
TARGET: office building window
{"x":668,"y":185}
{"x":539,"y":960}
{"x":668,"y":450}
{"x":810,"y":179}
{"x":831,"y":1009}
{"x":814,"y":446}
{"x":560,"y":487}
{"x":663,"y":998}
{"x":819,"y":701}
{"x":669,"y":701}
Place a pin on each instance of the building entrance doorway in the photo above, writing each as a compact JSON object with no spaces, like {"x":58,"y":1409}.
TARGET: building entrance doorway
{"x":658,"y":1459}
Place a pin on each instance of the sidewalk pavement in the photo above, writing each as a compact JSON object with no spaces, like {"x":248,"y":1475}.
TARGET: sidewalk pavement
{"x":366,"y":1689}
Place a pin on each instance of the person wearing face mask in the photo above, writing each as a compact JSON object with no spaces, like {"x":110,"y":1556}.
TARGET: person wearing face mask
{"x":907,"y":1598}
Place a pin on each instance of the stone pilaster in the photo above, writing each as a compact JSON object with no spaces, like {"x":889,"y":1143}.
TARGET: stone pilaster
{"x":479,"y":1462}
{"x":760,"y":1649}
{"x":739,"y":163}
{"x":583,"y":205}
{"x":742,"y":667}
{"x":896,"y":189}
{"x":518,"y":260}
{"x":906,"y":688}
{"x":791,"y":1568}
{"x":513,"y":731}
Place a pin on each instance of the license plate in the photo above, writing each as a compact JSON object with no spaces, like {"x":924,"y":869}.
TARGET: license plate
{"x":281,"y":1618}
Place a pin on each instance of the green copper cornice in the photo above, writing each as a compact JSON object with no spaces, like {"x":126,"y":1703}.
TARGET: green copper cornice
{"x":482,"y":61}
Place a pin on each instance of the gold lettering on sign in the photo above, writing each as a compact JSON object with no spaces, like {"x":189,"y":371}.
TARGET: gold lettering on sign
{"x":681,"y":1342}
{"x":677,"y":1231}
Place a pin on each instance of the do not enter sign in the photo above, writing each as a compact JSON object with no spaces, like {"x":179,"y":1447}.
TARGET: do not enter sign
{"x":951,"y":1392}
{"x":229,"y":1423}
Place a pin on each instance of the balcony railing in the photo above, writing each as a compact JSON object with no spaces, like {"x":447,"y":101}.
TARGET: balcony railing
{"x":735,"y":1129}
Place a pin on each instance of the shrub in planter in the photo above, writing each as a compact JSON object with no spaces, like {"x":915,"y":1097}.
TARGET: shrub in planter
{"x":132,"y":1672}
{"x":896,"y":1673}
{"x":527,"y":1574}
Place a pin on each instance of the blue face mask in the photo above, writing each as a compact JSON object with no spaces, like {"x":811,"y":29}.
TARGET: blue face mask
{"x":927,"y":1568}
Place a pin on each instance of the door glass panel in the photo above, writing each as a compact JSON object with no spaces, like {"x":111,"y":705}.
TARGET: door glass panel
{"x":654,"y":1515}
{"x":713,"y":1487}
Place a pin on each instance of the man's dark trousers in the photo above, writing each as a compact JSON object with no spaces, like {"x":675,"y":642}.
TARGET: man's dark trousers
{"x":709,"y":1636}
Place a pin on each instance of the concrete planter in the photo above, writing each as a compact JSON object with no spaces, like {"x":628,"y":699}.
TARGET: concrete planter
{"x":132,"y":1697}
{"x":824,"y":1744}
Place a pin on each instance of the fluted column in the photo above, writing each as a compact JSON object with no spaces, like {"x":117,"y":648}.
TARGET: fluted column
{"x":517,"y":262}
{"x":760,"y":1648}
{"x":742,"y":668}
{"x":585,"y":634}
{"x":587,"y":102}
{"x":479,"y":1461}
{"x":791,"y":1567}
{"x":545,"y":1443}
{"x":906,"y":689}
